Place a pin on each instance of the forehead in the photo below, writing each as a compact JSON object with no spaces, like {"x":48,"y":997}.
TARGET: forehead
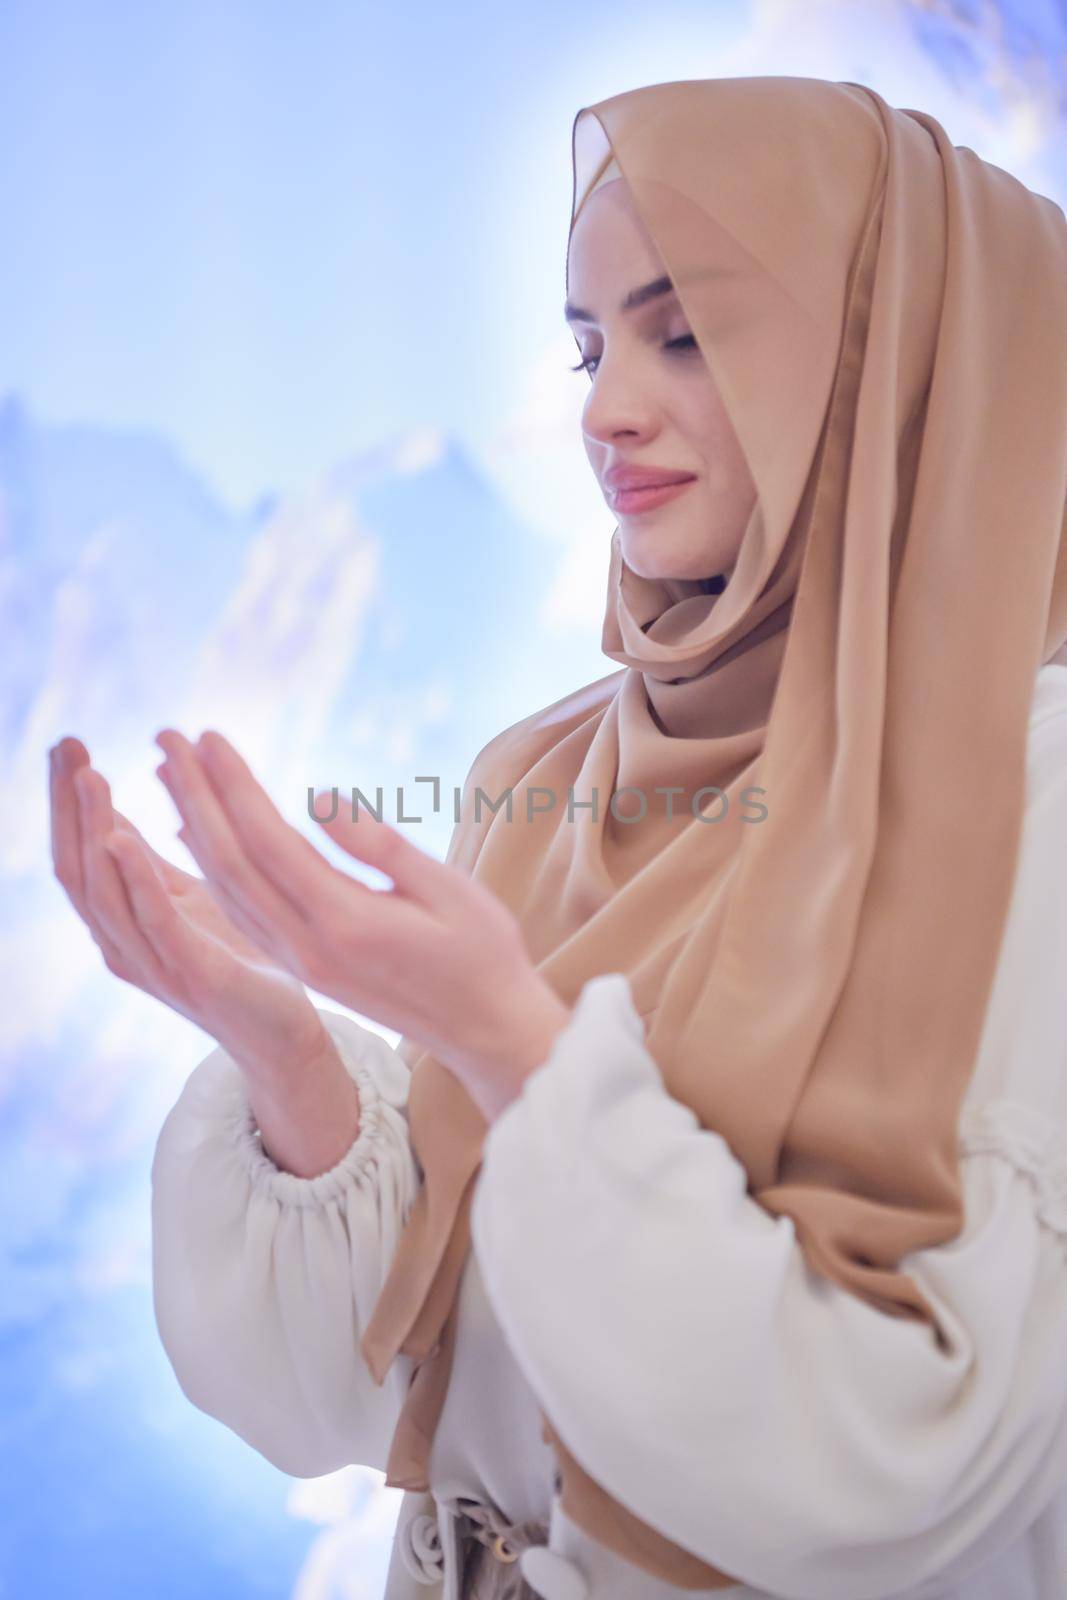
{"x":609,"y":244}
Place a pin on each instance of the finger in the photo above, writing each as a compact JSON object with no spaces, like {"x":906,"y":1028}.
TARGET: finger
{"x":110,"y":916}
{"x":266,"y":943}
{"x":280,"y":852}
{"x":374,"y":920}
{"x":280,"y":928}
{"x":65,"y":759}
{"x":164,"y":930}
{"x":172,"y":875}
{"x":416,"y":874}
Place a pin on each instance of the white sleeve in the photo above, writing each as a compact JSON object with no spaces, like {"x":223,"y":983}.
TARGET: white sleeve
{"x":754,"y":1412}
{"x":264,"y":1281}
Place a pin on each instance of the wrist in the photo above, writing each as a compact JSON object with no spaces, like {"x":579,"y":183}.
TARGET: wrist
{"x":533,"y":1040}
{"x":521,"y":1044}
{"x":307,"y":1108}
{"x":303,"y":1056}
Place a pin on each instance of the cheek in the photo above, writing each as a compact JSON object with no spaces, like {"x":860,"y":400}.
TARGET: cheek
{"x":707,"y":423}
{"x":706,"y":418}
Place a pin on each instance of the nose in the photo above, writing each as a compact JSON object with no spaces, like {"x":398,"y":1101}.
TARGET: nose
{"x":619,"y":406}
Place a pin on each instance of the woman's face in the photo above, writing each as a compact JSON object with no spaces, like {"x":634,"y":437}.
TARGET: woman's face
{"x":652,"y":403}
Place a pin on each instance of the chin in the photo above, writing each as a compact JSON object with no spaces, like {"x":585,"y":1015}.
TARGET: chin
{"x":651,"y":555}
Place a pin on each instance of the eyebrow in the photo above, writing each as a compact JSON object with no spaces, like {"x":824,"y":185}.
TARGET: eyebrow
{"x":636,"y":297}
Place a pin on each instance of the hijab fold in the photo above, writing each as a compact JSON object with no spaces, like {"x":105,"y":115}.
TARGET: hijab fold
{"x":811,"y":937}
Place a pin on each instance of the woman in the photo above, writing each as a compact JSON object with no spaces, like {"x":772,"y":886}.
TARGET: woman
{"x":751,"y":1092}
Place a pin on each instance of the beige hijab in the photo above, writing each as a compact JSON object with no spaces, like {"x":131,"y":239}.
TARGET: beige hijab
{"x":885,"y":315}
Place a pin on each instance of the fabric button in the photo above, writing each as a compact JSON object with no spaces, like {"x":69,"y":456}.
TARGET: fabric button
{"x":420,"y":1549}
{"x":552,"y":1575}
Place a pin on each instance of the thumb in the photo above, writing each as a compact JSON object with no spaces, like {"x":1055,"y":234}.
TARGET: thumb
{"x":416,"y":874}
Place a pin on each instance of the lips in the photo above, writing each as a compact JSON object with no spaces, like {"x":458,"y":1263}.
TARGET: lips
{"x":643,"y":477}
{"x":630,"y":499}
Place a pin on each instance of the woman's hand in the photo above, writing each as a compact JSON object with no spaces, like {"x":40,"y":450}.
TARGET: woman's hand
{"x":163,"y":931}
{"x":436,"y":957}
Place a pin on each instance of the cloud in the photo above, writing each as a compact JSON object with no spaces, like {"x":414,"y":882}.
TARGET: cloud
{"x":348,"y":1560}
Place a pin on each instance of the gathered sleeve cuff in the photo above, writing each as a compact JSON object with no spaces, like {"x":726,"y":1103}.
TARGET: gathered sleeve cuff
{"x":263,"y":1280}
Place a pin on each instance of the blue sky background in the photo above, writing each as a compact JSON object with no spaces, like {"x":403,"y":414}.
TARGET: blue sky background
{"x":289,"y":447}
{"x":278,"y":232}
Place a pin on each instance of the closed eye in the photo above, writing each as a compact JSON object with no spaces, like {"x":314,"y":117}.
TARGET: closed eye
{"x":685,"y":341}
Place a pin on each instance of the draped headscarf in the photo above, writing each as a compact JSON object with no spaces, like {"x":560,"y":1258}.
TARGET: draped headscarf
{"x":885,"y":317}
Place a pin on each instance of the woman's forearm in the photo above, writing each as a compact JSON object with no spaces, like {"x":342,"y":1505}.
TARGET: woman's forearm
{"x":307,"y":1111}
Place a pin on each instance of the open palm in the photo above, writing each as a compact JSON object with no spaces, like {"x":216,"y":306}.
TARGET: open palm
{"x":193,"y":899}
{"x":162,"y":929}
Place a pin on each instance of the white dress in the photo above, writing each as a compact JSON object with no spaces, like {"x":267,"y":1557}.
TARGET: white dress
{"x":758,"y":1415}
